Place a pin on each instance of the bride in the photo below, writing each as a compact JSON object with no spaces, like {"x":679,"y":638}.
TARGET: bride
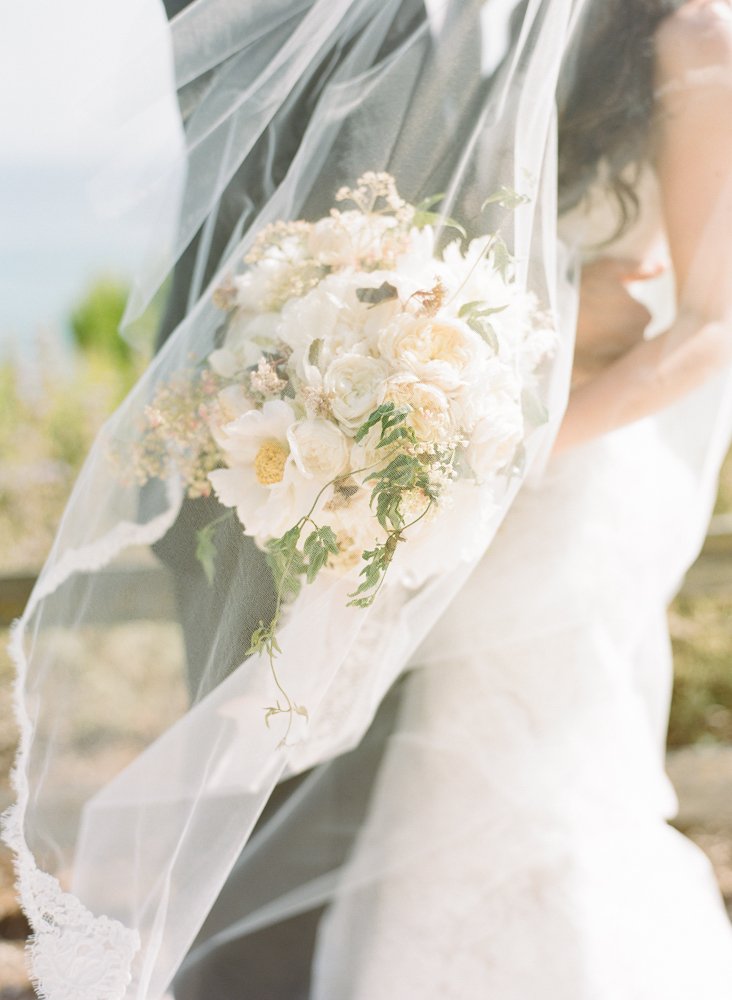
{"x":533,"y":735}
{"x":501,"y":829}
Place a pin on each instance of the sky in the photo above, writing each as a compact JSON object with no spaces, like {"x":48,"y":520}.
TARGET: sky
{"x":88,"y":117}
{"x":88,"y":120}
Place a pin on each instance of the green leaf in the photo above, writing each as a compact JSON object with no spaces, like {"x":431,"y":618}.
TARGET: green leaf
{"x":505,"y":197}
{"x":373,"y":419}
{"x":534,"y":411}
{"x":287,"y":563}
{"x":387,"y":509}
{"x":479,"y":309}
{"x":258,"y":639}
{"x":501,"y":256}
{"x":484,"y":329}
{"x":399,"y":434}
{"x":318,"y":546}
{"x":518,"y":465}
{"x":397,"y":416}
{"x":206,"y":551}
{"x":427,"y":203}
{"x":312,"y":544}
{"x":269,"y":713}
{"x":401,"y":471}
{"x":314,"y":351}
{"x":375,"y":296}
{"x":421,"y":219}
{"x":329,"y":540}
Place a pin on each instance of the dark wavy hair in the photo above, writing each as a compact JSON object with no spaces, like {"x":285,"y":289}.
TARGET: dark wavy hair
{"x":606,"y":102}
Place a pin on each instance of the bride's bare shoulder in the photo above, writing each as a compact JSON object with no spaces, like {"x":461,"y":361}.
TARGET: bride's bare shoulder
{"x":696,"y":36}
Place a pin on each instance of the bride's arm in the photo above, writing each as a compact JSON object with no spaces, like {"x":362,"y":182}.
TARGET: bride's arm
{"x":694,"y":165}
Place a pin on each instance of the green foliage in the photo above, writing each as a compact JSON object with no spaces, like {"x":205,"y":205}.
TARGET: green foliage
{"x":287,"y":562}
{"x":724,"y":497}
{"x":701,"y":708}
{"x":320,"y":544}
{"x":405,"y":473}
{"x":206,"y":547}
{"x":505,"y":197}
{"x":48,"y":420}
{"x":95,"y":322}
{"x":424,"y":216}
{"x":502,"y":258}
{"x":375,"y":296}
{"x":477,"y":315}
{"x":50,"y":414}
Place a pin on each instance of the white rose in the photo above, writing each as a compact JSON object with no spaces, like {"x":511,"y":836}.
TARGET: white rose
{"x":500,"y":385}
{"x":319,"y":448}
{"x":444,"y":352}
{"x":355,"y":384}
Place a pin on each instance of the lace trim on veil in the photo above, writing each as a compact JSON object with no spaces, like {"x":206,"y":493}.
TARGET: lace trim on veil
{"x":73,"y":954}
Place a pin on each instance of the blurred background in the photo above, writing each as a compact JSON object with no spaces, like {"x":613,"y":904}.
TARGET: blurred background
{"x":66,"y":264}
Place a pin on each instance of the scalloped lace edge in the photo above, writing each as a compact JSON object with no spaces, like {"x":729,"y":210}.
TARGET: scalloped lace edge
{"x":72,"y":954}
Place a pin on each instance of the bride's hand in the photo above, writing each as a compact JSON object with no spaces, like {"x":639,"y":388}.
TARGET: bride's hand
{"x":610,"y":321}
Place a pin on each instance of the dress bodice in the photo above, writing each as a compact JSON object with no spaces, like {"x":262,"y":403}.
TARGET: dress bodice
{"x":590,"y":227}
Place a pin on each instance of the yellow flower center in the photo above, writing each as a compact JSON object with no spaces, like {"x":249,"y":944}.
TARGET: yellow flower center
{"x":269,"y":463}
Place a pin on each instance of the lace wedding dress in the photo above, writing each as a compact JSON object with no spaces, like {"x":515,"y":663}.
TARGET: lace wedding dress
{"x":531,"y":742}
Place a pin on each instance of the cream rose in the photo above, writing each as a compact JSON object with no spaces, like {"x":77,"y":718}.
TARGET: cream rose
{"x":430,"y":408}
{"x":319,"y":448}
{"x":355,"y":385}
{"x":444,"y":352}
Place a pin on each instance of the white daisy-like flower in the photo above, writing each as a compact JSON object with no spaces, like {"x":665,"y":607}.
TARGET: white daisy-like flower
{"x":261,"y":481}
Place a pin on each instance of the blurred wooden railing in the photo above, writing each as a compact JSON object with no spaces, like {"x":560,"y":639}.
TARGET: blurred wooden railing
{"x":145,"y":593}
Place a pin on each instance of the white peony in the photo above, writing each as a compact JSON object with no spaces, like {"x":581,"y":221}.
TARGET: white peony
{"x":470,"y":276}
{"x":319,"y":326}
{"x":355,"y":385}
{"x":231,"y":402}
{"x":444,"y":352}
{"x":499,"y":381}
{"x":262,"y":480}
{"x":495,"y":438}
{"x":319,"y":449}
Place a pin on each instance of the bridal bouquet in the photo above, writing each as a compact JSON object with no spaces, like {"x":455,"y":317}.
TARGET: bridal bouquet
{"x":361,"y":385}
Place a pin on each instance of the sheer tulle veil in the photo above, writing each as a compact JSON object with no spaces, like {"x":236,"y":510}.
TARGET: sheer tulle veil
{"x":146,"y":756}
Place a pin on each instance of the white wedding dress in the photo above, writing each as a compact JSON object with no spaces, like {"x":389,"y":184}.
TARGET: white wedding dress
{"x":517,"y":844}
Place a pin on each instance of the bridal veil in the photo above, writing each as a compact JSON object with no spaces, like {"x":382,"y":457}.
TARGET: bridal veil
{"x":157,"y":717}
